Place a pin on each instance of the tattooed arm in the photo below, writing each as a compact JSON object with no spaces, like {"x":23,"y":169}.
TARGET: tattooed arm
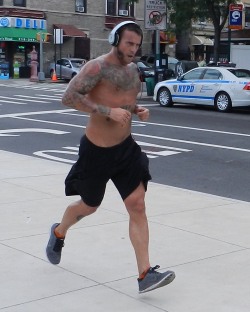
{"x":76,"y":95}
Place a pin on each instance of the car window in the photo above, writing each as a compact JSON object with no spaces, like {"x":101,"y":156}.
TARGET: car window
{"x":151,"y":59}
{"x":143,"y":58}
{"x":212,"y":74}
{"x":59,"y":62}
{"x":141,"y":64}
{"x":76,"y":63}
{"x":65,"y":62}
{"x":240,"y":73}
{"x":193,"y":75}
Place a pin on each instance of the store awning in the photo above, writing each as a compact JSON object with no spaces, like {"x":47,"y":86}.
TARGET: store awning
{"x":201,"y":40}
{"x":18,"y":34}
{"x":70,"y":30}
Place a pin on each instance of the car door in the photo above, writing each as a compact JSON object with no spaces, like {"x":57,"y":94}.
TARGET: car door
{"x":209,"y":86}
{"x":66,"y":69}
{"x":59,"y":68}
{"x":187,"y":86}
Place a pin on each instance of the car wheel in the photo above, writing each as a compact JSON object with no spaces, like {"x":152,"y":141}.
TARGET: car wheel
{"x":223,"y":102}
{"x":73,"y":75}
{"x":164,"y":97}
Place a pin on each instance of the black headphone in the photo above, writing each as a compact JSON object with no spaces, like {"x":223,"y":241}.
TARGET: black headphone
{"x":114,"y":36}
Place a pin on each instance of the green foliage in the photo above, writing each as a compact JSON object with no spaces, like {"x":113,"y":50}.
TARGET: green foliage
{"x":182,"y":13}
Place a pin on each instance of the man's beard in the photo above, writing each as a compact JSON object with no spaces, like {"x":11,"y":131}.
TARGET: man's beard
{"x":121,"y":55}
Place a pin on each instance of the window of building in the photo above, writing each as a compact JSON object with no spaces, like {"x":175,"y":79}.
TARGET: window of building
{"x":120,"y":8}
{"x":1,"y":2}
{"x":81,"y":6}
{"x":21,"y":3}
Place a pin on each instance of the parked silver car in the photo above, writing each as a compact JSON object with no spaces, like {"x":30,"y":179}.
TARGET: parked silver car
{"x":67,"y":68}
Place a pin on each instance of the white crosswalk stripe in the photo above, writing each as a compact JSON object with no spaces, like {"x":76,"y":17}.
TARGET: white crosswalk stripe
{"x":45,"y":86}
{"x":11,"y":102}
{"x":25,"y":99}
{"x":30,"y":98}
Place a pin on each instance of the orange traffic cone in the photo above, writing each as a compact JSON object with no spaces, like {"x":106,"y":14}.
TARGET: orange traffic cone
{"x":54,"y":78}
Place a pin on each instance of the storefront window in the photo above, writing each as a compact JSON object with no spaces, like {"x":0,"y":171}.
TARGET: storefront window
{"x":21,"y":3}
{"x":81,"y":6}
{"x":120,"y":7}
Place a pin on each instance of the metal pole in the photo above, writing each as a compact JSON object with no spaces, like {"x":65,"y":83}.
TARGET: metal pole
{"x":41,"y":76}
{"x":157,"y":54}
{"x":229,"y":44}
{"x":60,"y":52}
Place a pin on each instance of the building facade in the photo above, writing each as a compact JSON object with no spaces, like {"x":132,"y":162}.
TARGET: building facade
{"x":83,"y":24}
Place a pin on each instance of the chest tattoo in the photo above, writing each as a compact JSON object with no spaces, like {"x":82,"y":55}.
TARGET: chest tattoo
{"x":121,"y":78}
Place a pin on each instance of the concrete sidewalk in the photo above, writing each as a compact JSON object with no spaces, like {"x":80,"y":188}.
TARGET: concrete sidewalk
{"x":203,"y":238}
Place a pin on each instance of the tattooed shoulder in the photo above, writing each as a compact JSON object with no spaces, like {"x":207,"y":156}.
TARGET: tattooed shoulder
{"x":89,"y":77}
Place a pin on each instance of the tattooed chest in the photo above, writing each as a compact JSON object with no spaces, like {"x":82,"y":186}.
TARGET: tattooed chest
{"x":121,"y":79}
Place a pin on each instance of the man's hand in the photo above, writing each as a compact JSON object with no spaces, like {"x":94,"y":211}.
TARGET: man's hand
{"x":142,"y":113}
{"x":120,"y":115}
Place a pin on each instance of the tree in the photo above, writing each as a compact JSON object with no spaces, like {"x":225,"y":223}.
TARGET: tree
{"x":183,"y":12}
{"x":218,"y":12}
{"x":215,"y":10}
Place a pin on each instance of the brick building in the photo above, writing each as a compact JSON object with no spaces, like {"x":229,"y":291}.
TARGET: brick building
{"x":85,"y":27}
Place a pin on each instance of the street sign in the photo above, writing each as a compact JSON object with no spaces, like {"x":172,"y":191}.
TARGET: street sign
{"x":235,"y":16}
{"x":155,"y":14}
{"x":58,"y":36}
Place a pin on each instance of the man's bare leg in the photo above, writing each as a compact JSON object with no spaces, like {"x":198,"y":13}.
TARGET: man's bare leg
{"x":138,"y":227}
{"x":149,"y":278}
{"x":74,"y":213}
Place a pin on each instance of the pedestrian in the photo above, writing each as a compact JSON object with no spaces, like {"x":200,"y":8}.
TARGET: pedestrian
{"x":201,"y":62}
{"x":107,"y":88}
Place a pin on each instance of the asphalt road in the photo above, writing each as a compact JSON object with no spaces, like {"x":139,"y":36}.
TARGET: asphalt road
{"x":189,"y":147}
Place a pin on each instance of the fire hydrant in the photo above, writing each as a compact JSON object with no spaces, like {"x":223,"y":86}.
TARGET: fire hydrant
{"x":34,"y":65}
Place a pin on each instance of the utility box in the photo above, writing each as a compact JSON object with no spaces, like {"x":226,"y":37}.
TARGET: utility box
{"x":161,"y":65}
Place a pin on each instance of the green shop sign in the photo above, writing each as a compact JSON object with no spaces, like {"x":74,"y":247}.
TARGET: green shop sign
{"x":18,"y":34}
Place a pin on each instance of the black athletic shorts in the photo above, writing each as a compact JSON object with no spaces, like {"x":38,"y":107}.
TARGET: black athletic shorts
{"x":125,"y":164}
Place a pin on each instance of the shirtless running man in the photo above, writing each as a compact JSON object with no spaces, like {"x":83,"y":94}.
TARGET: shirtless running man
{"x":107,"y":89}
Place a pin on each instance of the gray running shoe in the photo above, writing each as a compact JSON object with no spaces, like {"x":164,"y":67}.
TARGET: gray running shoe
{"x":154,"y":279}
{"x":54,"y":247}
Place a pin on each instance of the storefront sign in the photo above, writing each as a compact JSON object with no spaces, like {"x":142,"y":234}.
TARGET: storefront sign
{"x":5,"y":22}
{"x":20,"y":39}
{"x":18,"y":34}
{"x":18,"y":22}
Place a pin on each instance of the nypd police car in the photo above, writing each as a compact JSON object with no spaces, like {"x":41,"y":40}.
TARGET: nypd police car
{"x":221,"y":87}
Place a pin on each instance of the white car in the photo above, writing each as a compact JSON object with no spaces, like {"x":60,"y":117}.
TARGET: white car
{"x":221,"y":87}
{"x":67,"y":68}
